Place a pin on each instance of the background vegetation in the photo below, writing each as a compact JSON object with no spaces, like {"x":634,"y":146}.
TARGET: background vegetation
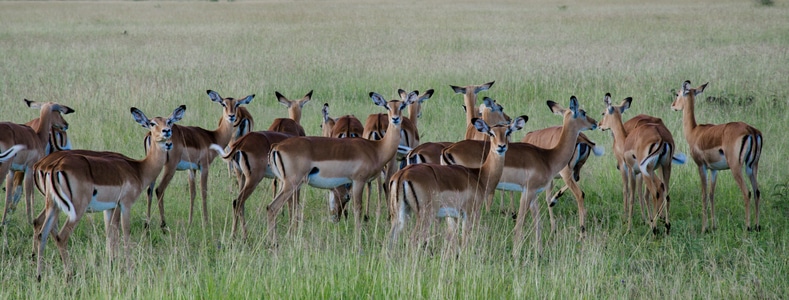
{"x":103,"y":57}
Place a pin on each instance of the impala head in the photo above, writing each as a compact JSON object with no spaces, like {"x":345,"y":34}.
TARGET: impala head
{"x":328,"y":122}
{"x":492,"y":112}
{"x":57,"y":109}
{"x":612,"y":113}
{"x":230,"y":105}
{"x":415,"y":109}
{"x":500,"y":133}
{"x":686,"y":95}
{"x":395,"y":107}
{"x":471,"y":90}
{"x":294,"y":106}
{"x":160,"y":127}
{"x":573,"y":115}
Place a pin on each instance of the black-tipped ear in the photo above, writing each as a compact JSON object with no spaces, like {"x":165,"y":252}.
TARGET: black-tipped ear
{"x":214,"y":96}
{"x":308,"y":95}
{"x":29,"y":103}
{"x":139,"y":117}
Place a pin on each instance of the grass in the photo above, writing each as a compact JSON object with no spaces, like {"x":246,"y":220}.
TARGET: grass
{"x":103,"y":57}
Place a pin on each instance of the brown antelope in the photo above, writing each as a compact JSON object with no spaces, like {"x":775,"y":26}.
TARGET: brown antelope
{"x":58,"y":140}
{"x":375,"y":128}
{"x":426,"y":153}
{"x":527,"y":168}
{"x":347,"y":126}
{"x":326,"y":163}
{"x":431,"y":191}
{"x":641,"y":151}
{"x":80,"y":181}
{"x":292,"y":124}
{"x":732,"y":146}
{"x":34,"y":140}
{"x":571,"y":173}
{"x":249,"y":155}
{"x":191,"y":152}
{"x":470,"y":102}
{"x":244,"y":124}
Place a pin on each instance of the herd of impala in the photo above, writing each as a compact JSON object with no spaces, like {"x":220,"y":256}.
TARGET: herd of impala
{"x":434,"y":180}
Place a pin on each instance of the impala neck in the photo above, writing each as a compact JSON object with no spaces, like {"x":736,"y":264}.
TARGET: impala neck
{"x":413,"y":112}
{"x":618,"y":131}
{"x":295,"y":115}
{"x":470,"y":99}
{"x":491,"y":170}
{"x":564,"y":149}
{"x":387,"y":146}
{"x":152,"y":164}
{"x":223,"y":133}
{"x":44,"y":125}
{"x":689,"y":115}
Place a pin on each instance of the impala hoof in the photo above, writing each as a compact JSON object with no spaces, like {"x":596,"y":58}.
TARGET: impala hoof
{"x":758,"y":228}
{"x":668,"y":228}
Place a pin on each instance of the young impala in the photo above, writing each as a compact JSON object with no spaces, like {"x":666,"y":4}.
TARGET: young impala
{"x":327,"y":163}
{"x":80,"y":181}
{"x":734,"y":145}
{"x":191,"y":152}
{"x":431,"y":191}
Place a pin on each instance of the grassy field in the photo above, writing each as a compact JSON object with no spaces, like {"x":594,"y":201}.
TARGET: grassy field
{"x":101,"y":58}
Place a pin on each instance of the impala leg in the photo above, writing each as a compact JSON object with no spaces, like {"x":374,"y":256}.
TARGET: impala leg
{"x":204,"y":191}
{"x":736,"y":171}
{"x":572,"y":184}
{"x":18,"y":188}
{"x":357,"y":189}
{"x":552,"y":218}
{"x":397,"y":218}
{"x":111,"y":224}
{"x":525,"y":206}
{"x":61,"y":240}
{"x":703,"y":177}
{"x":41,"y":231}
{"x":9,"y":181}
{"x":623,"y":171}
{"x":125,"y":220}
{"x":149,"y":194}
{"x":274,"y":208}
{"x":752,"y":172}
{"x":642,"y":199}
{"x":28,"y":182}
{"x":665,"y":170}
{"x":713,"y":183}
{"x":238,"y":205}
{"x":169,"y":172}
{"x":192,"y":194}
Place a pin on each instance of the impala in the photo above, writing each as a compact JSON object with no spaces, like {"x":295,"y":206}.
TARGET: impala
{"x":292,"y":124}
{"x":326,"y":163}
{"x":734,"y":145}
{"x":58,"y":140}
{"x":191,"y":152}
{"x":641,"y":151}
{"x":347,"y":126}
{"x":80,"y":181}
{"x":469,"y":93}
{"x":244,"y":124}
{"x":432,"y":191}
{"x":571,"y":173}
{"x":527,"y":168}
{"x":34,"y":140}
{"x":375,"y":128}
{"x":249,"y":155}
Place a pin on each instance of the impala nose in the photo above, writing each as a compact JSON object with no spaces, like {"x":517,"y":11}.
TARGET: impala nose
{"x":167,"y":133}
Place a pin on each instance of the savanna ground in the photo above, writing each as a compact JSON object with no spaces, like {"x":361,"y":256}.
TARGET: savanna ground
{"x":103,"y":57}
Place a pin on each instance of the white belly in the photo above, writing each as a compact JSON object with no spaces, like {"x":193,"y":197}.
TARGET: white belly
{"x":326,"y":183}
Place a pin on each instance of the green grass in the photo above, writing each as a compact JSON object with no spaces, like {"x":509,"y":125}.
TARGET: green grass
{"x":100,"y":58}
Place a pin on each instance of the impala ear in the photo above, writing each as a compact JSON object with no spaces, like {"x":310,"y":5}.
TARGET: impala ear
{"x":573,"y":106}
{"x":458,"y":90}
{"x":426,"y":95}
{"x":245,"y":100}
{"x":214,"y":96}
{"x":488,"y":102}
{"x":412,"y":97}
{"x":518,"y":123}
{"x":685,"y":87}
{"x":607,"y":99}
{"x":32,"y":104}
{"x":306,"y":99}
{"x":625,"y":104}
{"x":281,"y":99}
{"x":701,"y":88}
{"x":480,"y":125}
{"x":65,"y":109}
{"x":483,"y":87}
{"x":378,"y":99}
{"x":140,"y":118}
{"x":403,"y":94}
{"x":556,"y":108}
{"x":325,"y":112}
{"x":177,"y":115}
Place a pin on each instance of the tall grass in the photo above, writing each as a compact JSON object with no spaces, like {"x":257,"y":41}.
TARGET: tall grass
{"x":103,"y":57}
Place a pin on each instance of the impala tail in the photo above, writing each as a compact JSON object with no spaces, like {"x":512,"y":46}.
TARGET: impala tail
{"x":9,"y":154}
{"x":679,"y":158}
